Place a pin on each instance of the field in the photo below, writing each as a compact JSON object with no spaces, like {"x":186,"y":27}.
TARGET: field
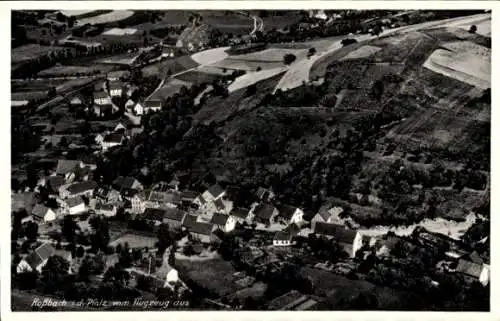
{"x":28,"y":95}
{"x":197,"y":77}
{"x":280,"y":21}
{"x":235,"y":64}
{"x":210,"y":56}
{"x":212,"y":70}
{"x":170,"y":89}
{"x":215,"y":275}
{"x":32,"y":51}
{"x":119,"y":32}
{"x":135,"y":241}
{"x":253,"y":78}
{"x":121,"y":59}
{"x":228,"y":22}
{"x":106,"y":18}
{"x":466,"y":62}
{"x":61,"y":71}
{"x":271,"y":55}
{"x":362,"y":52}
{"x":176,"y":65}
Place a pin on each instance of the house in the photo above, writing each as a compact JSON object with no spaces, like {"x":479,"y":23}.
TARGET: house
{"x":212,"y":194}
{"x":101,"y":98}
{"x":173,"y":217}
{"x":125,"y":184}
{"x":350,"y":240}
{"x":264,"y":213}
{"x":188,"y":196}
{"x":152,"y":105}
{"x":241,"y":215}
{"x":43,"y":214}
{"x":223,"y":222}
{"x":138,"y":109}
{"x":74,"y":206}
{"x":109,"y":195}
{"x":129,"y":104}
{"x":264,"y":194}
{"x":107,"y":210}
{"x":118,"y":75}
{"x":282,"y":238}
{"x":137,"y":204}
{"x":115,"y":88}
{"x":76,"y":101}
{"x":120,"y":128}
{"x":67,"y":169}
{"x":85,"y":188}
{"x":36,"y":260}
{"x":326,"y":216}
{"x":173,"y":185}
{"x":53,"y":183}
{"x":289,"y":214}
{"x":295,"y":301}
{"x":112,"y":140}
{"x":164,"y":199}
{"x":104,"y":109}
{"x":154,"y":215}
{"x":202,"y":232}
{"x":474,"y":271}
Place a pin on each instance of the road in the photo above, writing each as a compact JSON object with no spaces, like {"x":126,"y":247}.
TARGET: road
{"x":298,"y":72}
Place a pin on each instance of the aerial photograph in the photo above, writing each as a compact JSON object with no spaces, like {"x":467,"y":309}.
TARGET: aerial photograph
{"x":250,"y":160}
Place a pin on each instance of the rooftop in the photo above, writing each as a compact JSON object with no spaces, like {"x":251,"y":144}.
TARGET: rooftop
{"x":81,"y":187}
{"x":339,"y":232}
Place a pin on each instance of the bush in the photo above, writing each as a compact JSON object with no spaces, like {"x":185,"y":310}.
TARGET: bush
{"x":289,"y":58}
{"x":473,"y":29}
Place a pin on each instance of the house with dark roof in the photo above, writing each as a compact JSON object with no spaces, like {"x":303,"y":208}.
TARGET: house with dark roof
{"x":350,"y":240}
{"x":74,"y":206}
{"x":241,"y":215}
{"x":224,"y":222}
{"x":85,"y":188}
{"x":107,"y":210}
{"x":151,"y":105}
{"x":112,"y":140}
{"x":37,"y":259}
{"x":118,"y":75}
{"x":474,"y":271}
{"x":163,"y":199}
{"x":289,"y":214}
{"x":188,"y":196}
{"x":115,"y":88}
{"x":264,"y":213}
{"x":202,"y":232}
{"x":42,"y":213}
{"x":154,"y":215}
{"x":173,"y":217}
{"x":326,"y":215}
{"x":189,"y":221}
{"x":101,"y":98}
{"x":285,"y":237}
{"x":124,"y":184}
{"x":67,"y":169}
{"x":212,"y":194}
{"x":53,"y":183}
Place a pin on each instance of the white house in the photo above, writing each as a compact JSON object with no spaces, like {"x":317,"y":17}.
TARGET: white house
{"x":215,"y":192}
{"x":326,"y":215}
{"x":36,"y":260}
{"x":138,"y":109}
{"x":120,"y":126}
{"x":289,"y":214}
{"x":476,"y":271}
{"x":75,"y":205}
{"x":224,"y":222}
{"x":350,"y":240}
{"x":43,"y":213}
{"x":115,"y":88}
{"x":283,"y":238}
{"x":101,"y":98}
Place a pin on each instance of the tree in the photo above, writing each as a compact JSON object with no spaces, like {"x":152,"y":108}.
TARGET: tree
{"x":91,"y":266}
{"x":80,"y":252}
{"x":68,"y":229}
{"x":51,"y":93}
{"x":312,"y":52}
{"x":289,"y":58}
{"x":31,"y":231}
{"x":251,"y":90}
{"x":164,"y":239}
{"x":100,"y":239}
{"x":53,"y":273}
{"x":117,"y":275}
{"x":473,"y":29}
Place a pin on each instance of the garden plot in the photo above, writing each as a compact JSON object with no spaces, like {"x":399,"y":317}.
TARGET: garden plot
{"x":170,"y":89}
{"x":212,"y":70}
{"x":120,"y":32}
{"x":32,"y":51}
{"x":466,"y":62}
{"x":483,"y":27}
{"x":253,"y":78}
{"x":58,"y":71}
{"x":362,"y":52}
{"x":197,"y":77}
{"x":106,"y":18}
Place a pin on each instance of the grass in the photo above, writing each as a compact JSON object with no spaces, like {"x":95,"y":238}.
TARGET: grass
{"x":230,"y":63}
{"x":197,"y":77}
{"x":214,"y":275}
{"x":135,"y":241}
{"x":167,"y":90}
{"x":175,"y":66}
{"x":60,"y":71}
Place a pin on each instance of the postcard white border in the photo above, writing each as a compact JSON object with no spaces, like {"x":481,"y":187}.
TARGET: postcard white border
{"x":5,"y":309}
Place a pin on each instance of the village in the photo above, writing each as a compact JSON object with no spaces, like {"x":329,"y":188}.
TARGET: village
{"x":146,"y":174}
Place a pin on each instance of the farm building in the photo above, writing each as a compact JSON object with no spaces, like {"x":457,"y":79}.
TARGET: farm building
{"x":350,"y":240}
{"x":43,"y":214}
{"x":124,"y":184}
{"x":112,"y":140}
{"x":173,"y":217}
{"x":289,"y":214}
{"x":36,"y":260}
{"x":223,"y":222}
{"x":265,"y":213}
{"x":101,"y":98}
{"x":115,"y":88}
{"x":85,"y":188}
{"x":202,"y":232}
{"x":67,"y":168}
{"x":74,"y":206}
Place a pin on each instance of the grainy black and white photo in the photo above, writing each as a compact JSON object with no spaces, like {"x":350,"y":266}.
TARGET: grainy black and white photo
{"x":187,"y":160}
